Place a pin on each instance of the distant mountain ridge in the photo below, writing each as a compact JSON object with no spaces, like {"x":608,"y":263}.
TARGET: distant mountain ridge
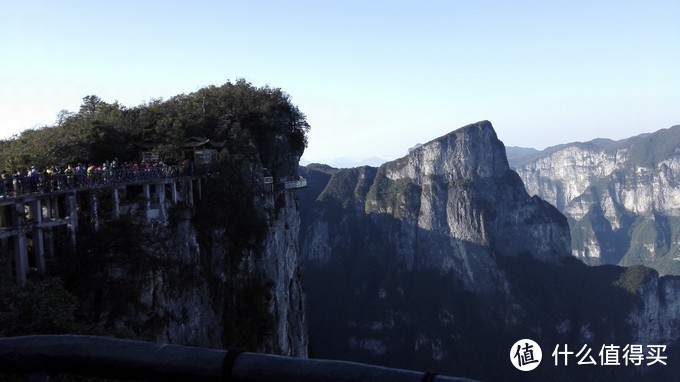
{"x":343,"y":162}
{"x":622,"y":197}
{"x":514,"y":152}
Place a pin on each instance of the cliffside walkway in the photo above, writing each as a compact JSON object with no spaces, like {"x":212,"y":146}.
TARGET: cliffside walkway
{"x":32,"y":208}
{"x":295,"y":184}
{"x":45,"y":184}
{"x":285,"y":185}
{"x":39,"y":356}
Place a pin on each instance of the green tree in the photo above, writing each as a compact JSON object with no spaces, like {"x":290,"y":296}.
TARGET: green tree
{"x":236,"y":112}
{"x":41,"y":307}
{"x":89,"y":106}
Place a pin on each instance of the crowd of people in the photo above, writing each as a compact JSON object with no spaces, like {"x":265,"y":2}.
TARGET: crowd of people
{"x":55,"y":178}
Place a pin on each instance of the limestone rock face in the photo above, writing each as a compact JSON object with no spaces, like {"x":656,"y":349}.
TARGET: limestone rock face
{"x":466,"y":176}
{"x":622,"y":197}
{"x":451,"y":205}
{"x":442,"y":260}
{"x":399,"y":260}
{"x":280,"y":263}
{"x":212,"y":293}
{"x":564,"y":175}
{"x":656,"y":320}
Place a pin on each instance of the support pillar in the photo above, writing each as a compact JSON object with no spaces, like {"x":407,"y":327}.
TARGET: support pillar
{"x":46,"y":210}
{"x":160,"y":196}
{"x":49,"y":233}
{"x":4,"y":242}
{"x":73,"y":217}
{"x":116,"y":203}
{"x":190,"y":193}
{"x":38,"y":242}
{"x":94,"y":213}
{"x":199,"y":186}
{"x":55,"y":206}
{"x":173,"y":192}
{"x":20,"y":248}
{"x":147,"y":200}
{"x":4,"y":221}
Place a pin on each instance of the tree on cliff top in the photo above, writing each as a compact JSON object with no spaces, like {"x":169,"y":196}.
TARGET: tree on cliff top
{"x":237,"y":112}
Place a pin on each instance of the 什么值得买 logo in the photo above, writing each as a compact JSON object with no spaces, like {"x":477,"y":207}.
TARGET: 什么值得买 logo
{"x":525,"y":355}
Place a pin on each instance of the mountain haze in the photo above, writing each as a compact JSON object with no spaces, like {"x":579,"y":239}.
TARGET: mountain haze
{"x":513,"y":152}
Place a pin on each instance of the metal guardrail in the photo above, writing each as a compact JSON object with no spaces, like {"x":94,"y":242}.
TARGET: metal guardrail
{"x":292,"y":184}
{"x":138,"y":360}
{"x":43,"y":183}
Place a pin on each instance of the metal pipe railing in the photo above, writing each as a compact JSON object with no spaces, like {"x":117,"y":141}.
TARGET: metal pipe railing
{"x":106,"y":357}
{"x":293,"y":184}
{"x":43,"y":183}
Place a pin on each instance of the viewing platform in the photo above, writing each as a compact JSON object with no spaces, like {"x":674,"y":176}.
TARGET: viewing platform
{"x":283,"y":185}
{"x":33,"y":208}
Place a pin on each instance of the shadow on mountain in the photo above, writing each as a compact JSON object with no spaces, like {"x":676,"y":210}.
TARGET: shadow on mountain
{"x":365,"y":305}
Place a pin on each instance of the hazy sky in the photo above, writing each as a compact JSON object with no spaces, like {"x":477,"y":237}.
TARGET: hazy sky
{"x":373,"y":77}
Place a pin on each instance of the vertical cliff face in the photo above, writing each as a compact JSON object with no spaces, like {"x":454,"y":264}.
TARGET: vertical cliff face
{"x":221,"y":273}
{"x":280,"y":263}
{"x":404,"y":264}
{"x":656,"y":319}
{"x":179,"y":310}
{"x":254,"y":253}
{"x":563,"y":175}
{"x":442,"y":260}
{"x":202,"y":297}
{"x":219,"y":269}
{"x":450,"y":205}
{"x":463,"y":179}
{"x":622,"y":198}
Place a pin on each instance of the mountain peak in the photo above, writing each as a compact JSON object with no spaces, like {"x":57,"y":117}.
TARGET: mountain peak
{"x":472,"y":151}
{"x":482,"y":128}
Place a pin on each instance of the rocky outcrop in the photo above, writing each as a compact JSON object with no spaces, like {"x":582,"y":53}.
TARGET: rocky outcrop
{"x":450,"y":205}
{"x":280,"y":264}
{"x":442,"y":260}
{"x":222,"y":273}
{"x":656,"y":319}
{"x":216,"y":267}
{"x":622,"y":198}
{"x":253,"y":290}
{"x":565,"y":174}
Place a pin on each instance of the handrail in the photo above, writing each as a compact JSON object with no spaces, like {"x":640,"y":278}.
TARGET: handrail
{"x":44,"y":184}
{"x":291,"y":184}
{"x":123,"y":359}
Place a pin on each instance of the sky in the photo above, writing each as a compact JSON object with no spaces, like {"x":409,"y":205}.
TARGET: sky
{"x":373,"y":77}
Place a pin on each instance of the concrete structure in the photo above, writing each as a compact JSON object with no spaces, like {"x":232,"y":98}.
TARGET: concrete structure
{"x":28,"y":221}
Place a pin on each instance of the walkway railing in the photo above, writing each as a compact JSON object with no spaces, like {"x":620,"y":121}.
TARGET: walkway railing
{"x":104,"y":357}
{"x":43,"y":183}
{"x":293,"y":184}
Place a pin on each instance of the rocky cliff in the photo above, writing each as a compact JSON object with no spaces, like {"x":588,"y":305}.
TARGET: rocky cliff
{"x":219,"y":270}
{"x":656,"y":319}
{"x":441,"y":260}
{"x":221,"y":273}
{"x":453,"y":204}
{"x":622,"y":197}
{"x":240,"y":285}
{"x":255,"y":301}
